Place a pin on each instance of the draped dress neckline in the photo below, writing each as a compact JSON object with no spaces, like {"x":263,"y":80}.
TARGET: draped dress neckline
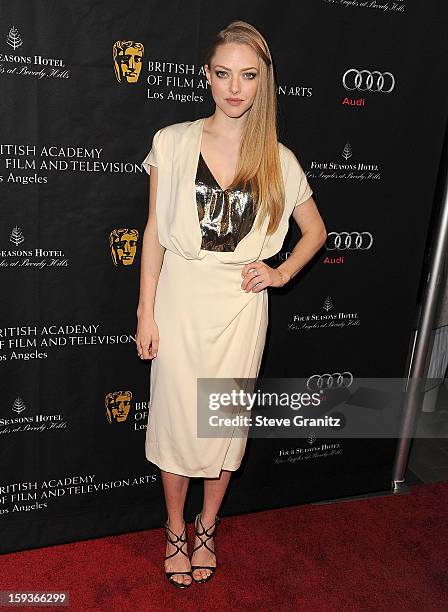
{"x":194,"y":160}
{"x":211,"y":174}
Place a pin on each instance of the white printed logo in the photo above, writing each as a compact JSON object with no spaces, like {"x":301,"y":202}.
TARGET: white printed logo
{"x":19,"y":405}
{"x":16,"y":236}
{"x":13,"y":39}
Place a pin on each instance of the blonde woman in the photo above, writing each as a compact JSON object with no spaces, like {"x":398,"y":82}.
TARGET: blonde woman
{"x":222,"y":190}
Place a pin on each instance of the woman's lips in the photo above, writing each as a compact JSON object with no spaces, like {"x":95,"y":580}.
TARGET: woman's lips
{"x":233,"y":101}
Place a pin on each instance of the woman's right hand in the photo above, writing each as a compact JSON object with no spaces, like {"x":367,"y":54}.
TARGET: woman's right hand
{"x":147,"y":338}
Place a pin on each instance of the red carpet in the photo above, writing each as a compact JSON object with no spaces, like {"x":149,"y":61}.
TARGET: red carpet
{"x":376,"y":554}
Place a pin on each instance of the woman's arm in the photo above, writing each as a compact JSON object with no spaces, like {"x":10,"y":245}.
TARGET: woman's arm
{"x":313,"y":237}
{"x":152,"y":256}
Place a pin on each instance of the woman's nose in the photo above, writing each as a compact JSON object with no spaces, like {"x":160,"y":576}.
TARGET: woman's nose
{"x":235,"y":86}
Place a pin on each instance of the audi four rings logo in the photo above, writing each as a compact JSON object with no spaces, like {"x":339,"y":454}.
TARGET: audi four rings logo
{"x":361,"y":241}
{"x":328,"y":381}
{"x":364,"y":80}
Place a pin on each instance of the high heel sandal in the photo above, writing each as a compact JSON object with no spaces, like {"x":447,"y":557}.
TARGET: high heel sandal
{"x":182,"y":539}
{"x":204,"y":543}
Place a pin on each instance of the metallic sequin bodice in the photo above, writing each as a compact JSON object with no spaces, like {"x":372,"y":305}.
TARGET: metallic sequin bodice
{"x":225,"y":216}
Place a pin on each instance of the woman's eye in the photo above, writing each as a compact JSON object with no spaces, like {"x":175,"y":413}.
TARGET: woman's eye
{"x":250,"y":75}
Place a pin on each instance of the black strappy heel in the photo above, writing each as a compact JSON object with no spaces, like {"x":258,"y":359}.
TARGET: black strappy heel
{"x":182,"y":539}
{"x":204,"y":543}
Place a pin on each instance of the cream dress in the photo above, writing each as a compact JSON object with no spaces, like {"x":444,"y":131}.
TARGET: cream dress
{"x":208,"y":326}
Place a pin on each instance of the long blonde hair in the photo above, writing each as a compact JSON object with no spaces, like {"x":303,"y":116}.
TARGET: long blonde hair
{"x":259,"y":160}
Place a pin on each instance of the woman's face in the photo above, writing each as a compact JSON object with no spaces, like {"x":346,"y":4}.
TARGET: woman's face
{"x":233,"y":78}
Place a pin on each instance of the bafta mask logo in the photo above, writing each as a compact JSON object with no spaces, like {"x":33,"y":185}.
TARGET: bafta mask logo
{"x":123,"y":245}
{"x":127,"y":56}
{"x":118,"y":404}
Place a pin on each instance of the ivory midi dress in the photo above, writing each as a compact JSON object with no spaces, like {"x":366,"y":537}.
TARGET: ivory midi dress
{"x":209,"y":327}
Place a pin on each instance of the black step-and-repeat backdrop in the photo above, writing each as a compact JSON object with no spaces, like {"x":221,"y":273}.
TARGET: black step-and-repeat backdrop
{"x":362,"y":93}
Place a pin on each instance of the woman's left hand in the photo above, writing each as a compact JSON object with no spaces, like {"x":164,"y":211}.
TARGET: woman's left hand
{"x":257,"y":276}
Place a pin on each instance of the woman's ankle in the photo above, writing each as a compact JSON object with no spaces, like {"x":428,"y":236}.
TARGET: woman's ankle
{"x":207,"y":519}
{"x":176,"y":524}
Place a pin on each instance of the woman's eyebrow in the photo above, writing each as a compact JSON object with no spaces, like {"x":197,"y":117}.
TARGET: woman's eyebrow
{"x":221,"y":66}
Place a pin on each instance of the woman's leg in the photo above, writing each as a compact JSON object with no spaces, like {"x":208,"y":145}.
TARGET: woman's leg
{"x":175,"y":488}
{"x":214,"y":490}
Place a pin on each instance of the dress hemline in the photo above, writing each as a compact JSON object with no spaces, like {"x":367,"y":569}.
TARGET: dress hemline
{"x":174,"y":469}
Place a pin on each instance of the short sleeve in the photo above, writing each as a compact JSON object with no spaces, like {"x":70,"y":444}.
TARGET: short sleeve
{"x":304,"y":189}
{"x":152,"y":158}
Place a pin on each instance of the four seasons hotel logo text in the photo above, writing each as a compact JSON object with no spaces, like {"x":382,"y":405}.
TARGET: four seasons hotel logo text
{"x":29,"y":65}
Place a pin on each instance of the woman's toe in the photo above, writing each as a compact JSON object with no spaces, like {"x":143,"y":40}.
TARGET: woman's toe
{"x":181,"y":578}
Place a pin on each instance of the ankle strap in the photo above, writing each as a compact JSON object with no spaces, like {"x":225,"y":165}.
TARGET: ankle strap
{"x":214,"y":524}
{"x":182,"y":538}
{"x":205,"y":532}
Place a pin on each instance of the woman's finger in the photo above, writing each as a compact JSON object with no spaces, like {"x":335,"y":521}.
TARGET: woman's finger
{"x":253,"y":282}
{"x":250,"y":275}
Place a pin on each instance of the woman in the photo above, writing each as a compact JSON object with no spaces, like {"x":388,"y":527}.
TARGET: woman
{"x":222,"y":189}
